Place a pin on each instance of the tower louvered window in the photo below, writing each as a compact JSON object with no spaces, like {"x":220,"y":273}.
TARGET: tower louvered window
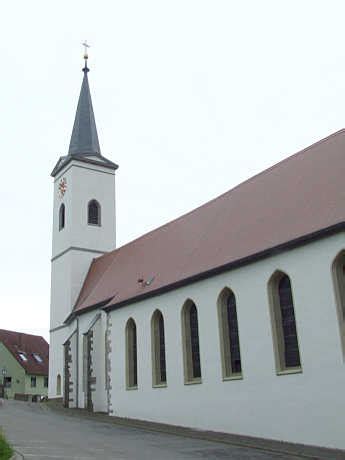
{"x":62,"y":217}
{"x":94,"y":213}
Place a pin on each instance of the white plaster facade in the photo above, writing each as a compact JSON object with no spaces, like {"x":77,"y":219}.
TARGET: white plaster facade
{"x":306,"y":407}
{"x":75,"y":246}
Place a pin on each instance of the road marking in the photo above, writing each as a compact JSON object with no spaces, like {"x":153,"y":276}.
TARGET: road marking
{"x":28,"y":441}
{"x":22,"y":446}
{"x":57,"y":447}
{"x":59,"y":456}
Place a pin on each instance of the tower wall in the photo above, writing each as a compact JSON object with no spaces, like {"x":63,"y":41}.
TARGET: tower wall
{"x":78,"y":243}
{"x":75,"y":246}
{"x":84,"y":182}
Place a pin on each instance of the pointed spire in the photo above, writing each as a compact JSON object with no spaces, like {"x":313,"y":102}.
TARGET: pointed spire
{"x":84,"y":145}
{"x":84,"y":139}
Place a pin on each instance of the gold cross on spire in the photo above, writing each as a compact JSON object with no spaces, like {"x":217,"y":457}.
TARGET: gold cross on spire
{"x":86,"y":46}
{"x":86,"y":56}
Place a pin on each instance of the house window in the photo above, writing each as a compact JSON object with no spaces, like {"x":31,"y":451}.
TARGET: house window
{"x":7,"y":382}
{"x":158,"y":349}
{"x":22,"y":356}
{"x":131,"y":354}
{"x":58,"y":385}
{"x":45,"y":382}
{"x":38,"y":358}
{"x":190,"y":341}
{"x":33,"y":382}
{"x":338,"y":269}
{"x":229,"y":339}
{"x":283,"y":323}
{"x":94,"y":213}
{"x":62,"y":217}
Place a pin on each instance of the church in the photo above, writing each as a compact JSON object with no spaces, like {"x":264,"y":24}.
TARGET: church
{"x":230,"y":318}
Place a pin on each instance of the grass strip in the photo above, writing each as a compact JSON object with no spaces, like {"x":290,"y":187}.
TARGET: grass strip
{"x":6,"y":450}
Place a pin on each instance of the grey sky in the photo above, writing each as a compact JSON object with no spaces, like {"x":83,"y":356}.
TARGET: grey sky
{"x":191,"y":97}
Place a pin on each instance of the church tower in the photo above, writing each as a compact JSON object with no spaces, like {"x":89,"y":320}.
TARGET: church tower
{"x":83,"y":219}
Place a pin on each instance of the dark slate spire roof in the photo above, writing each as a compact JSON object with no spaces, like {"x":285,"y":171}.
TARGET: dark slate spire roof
{"x":84,"y":139}
{"x":84,"y":145}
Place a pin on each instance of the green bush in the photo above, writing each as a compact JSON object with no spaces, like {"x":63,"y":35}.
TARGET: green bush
{"x":6,"y":450}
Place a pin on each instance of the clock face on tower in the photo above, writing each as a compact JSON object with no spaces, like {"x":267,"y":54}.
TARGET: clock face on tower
{"x":62,"y":187}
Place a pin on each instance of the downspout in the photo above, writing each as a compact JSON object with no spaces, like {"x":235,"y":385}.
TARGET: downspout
{"x":77,"y":364}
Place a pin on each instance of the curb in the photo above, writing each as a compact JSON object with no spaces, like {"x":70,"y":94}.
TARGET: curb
{"x":17,"y":456}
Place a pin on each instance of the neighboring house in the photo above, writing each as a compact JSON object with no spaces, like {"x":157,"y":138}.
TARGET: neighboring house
{"x":24,"y":363}
{"x":230,"y":318}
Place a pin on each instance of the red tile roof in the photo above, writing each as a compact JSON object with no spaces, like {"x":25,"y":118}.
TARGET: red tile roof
{"x":28,"y":344}
{"x":300,"y":196}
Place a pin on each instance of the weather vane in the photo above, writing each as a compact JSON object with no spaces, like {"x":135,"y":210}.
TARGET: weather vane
{"x":86,"y":56}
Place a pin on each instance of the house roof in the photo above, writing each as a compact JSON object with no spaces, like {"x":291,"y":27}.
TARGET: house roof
{"x":27,"y":344}
{"x":301,"y":197}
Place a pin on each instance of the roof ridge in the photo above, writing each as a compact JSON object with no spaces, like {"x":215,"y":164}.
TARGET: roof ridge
{"x":22,"y":333}
{"x":250,"y":179}
{"x":287,"y":159}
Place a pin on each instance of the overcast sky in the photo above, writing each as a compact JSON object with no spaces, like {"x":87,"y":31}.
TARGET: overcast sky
{"x":191,"y":97}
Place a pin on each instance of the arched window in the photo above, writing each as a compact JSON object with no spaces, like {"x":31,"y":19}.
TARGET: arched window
{"x":338,"y":269}
{"x":58,"y":385}
{"x":190,"y":341}
{"x":94,"y":213}
{"x":131,"y":354}
{"x":229,"y":340}
{"x":158,"y":349}
{"x":62,"y":217}
{"x":283,"y":323}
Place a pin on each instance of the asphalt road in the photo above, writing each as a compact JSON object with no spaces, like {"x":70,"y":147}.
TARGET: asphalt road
{"x":39,"y":433}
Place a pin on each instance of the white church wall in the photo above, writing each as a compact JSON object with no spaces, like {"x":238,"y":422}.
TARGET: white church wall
{"x":60,"y":298}
{"x":306,"y":407}
{"x":56,"y":358}
{"x":73,"y":370}
{"x":68,"y":271}
{"x":86,"y":322}
{"x":98,"y":362}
